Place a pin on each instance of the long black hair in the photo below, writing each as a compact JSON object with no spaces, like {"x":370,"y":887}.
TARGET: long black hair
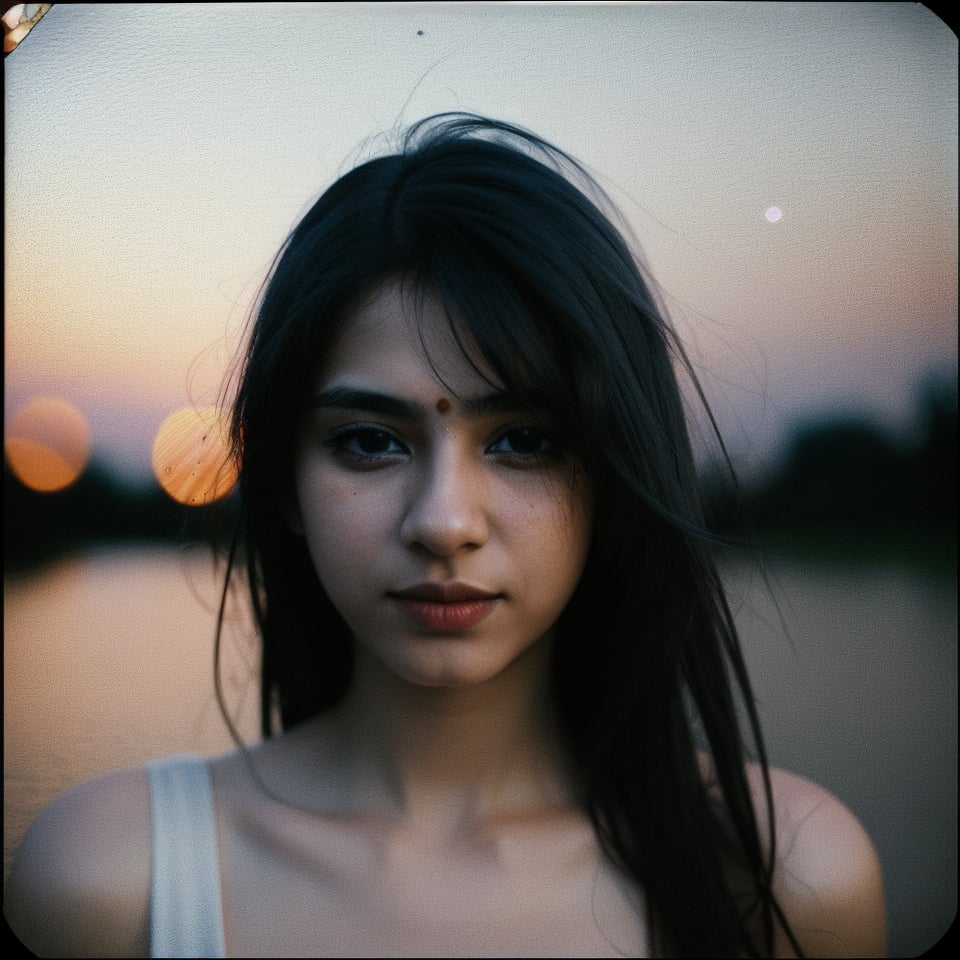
{"x":511,"y":233}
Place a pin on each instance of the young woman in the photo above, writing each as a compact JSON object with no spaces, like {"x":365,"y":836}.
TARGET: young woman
{"x":500,"y":680}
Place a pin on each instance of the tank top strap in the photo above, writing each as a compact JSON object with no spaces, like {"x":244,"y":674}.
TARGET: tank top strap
{"x":186,"y":910}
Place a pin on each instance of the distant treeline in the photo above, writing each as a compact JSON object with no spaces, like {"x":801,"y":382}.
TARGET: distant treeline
{"x":844,"y":477}
{"x":99,"y":509}
{"x":838,"y":479}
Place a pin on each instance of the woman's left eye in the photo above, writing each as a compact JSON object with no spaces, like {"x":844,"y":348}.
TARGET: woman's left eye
{"x":531,"y":443}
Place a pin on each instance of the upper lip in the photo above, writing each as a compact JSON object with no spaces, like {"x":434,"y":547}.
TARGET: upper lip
{"x":443,"y":592}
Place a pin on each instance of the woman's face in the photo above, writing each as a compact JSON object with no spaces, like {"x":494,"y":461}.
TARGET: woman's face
{"x":448,"y":526}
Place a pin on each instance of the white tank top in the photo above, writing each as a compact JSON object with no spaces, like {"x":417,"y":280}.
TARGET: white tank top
{"x":186,"y":913}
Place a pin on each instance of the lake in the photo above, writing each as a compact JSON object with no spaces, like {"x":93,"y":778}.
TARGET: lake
{"x":108,"y":662}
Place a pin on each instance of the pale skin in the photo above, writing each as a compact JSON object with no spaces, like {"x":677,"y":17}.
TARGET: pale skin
{"x":431,"y":813}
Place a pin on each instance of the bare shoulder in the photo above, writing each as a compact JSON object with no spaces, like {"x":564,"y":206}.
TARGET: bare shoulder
{"x":828,"y":881}
{"x":80,"y":883}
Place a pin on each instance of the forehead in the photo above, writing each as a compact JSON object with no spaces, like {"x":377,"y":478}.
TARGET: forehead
{"x":402,"y":335}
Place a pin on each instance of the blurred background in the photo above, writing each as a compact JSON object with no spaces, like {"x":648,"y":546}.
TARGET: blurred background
{"x":789,"y":172}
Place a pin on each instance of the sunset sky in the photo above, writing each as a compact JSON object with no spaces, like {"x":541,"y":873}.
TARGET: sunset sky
{"x":157,"y":155}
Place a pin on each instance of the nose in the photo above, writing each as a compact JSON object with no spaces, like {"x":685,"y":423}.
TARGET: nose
{"x":446,"y":511}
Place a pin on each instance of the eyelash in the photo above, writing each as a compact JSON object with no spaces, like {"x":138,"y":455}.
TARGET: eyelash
{"x":549,"y":447}
{"x":339,"y":442}
{"x":344,"y":442}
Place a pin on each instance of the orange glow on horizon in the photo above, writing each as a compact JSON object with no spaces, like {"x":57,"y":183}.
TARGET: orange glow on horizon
{"x":191,"y":457}
{"x":47,"y":445}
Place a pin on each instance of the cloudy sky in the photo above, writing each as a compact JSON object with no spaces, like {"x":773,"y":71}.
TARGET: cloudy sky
{"x":157,"y":155}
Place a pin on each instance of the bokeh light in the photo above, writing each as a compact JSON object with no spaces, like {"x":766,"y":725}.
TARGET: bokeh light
{"x":773,"y":214}
{"x":47,"y":445}
{"x":19,"y":20}
{"x":191,"y":456}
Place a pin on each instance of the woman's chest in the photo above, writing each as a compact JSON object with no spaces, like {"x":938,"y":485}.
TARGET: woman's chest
{"x":347,"y":889}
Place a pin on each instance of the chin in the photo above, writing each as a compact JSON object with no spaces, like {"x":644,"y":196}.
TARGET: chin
{"x":450,"y":676}
{"x":452,"y":664}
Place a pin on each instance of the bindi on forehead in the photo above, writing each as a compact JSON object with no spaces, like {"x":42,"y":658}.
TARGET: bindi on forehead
{"x":443,"y":405}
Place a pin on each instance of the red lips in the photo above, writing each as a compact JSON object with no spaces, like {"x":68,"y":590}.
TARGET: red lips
{"x":445,"y":607}
{"x":444,"y":592}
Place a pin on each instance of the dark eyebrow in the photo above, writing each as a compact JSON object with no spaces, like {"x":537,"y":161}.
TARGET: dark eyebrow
{"x":355,"y":398}
{"x":359,"y":398}
{"x":491,"y":405}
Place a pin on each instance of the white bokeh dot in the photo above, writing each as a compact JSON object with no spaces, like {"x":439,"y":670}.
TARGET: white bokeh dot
{"x":774,"y":214}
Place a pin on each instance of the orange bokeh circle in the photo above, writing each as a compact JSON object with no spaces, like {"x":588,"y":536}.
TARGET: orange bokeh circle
{"x":191,"y":458}
{"x":47,"y":445}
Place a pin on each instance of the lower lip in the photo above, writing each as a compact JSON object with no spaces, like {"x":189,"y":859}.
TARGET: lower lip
{"x":446,"y":617}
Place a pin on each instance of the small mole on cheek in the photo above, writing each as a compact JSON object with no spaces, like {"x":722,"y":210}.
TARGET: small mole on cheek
{"x":443,"y":405}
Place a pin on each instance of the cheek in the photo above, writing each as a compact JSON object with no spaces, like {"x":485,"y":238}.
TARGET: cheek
{"x":344,"y":524}
{"x":556,"y":540}
{"x":332,"y":521}
{"x":571,"y":552}
{"x":577,"y":525}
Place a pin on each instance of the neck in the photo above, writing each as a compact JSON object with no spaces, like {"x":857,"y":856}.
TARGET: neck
{"x":447,"y":756}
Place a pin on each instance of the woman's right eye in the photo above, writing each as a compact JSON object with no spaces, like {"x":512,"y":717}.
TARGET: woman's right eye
{"x":369,"y":446}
